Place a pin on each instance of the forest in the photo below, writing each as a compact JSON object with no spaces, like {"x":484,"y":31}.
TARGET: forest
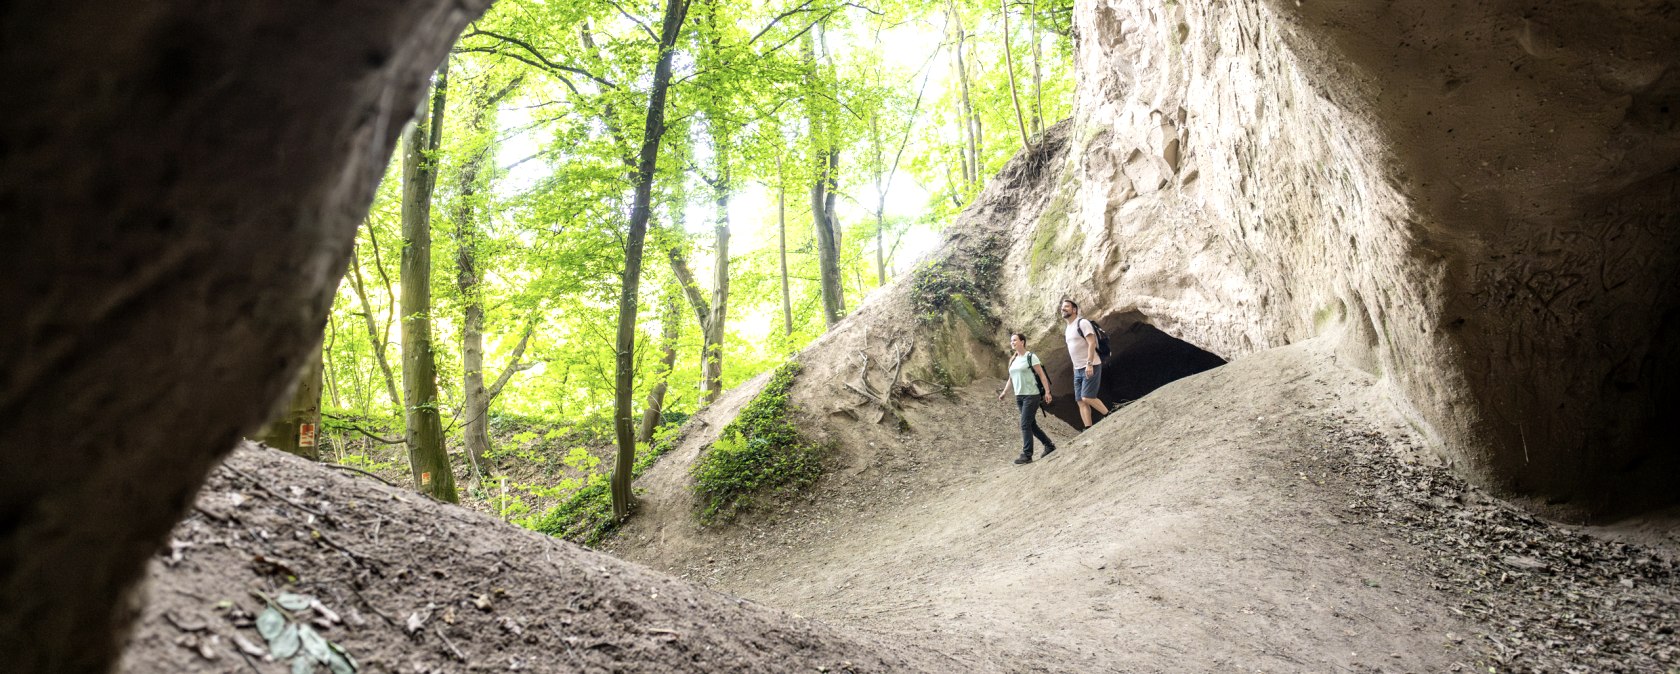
{"x":605,"y":213}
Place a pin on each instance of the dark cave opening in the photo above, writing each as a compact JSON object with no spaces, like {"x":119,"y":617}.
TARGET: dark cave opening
{"x":1143,"y":359}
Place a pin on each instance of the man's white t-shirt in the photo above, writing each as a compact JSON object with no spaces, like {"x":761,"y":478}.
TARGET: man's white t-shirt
{"x":1077,"y":348}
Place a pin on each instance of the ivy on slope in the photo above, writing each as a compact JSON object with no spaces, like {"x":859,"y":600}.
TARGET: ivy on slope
{"x":587,"y":516}
{"x":964,"y":280}
{"x":759,"y":452}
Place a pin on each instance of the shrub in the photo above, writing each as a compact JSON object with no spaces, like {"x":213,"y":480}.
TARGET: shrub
{"x":586,"y":516}
{"x":760,"y":451}
{"x":970,"y":272}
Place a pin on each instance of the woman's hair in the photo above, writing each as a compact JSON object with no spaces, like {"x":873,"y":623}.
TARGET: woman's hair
{"x":1013,"y":335}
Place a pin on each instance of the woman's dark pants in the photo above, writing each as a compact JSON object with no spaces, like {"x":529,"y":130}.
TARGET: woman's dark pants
{"x":1029,"y":423}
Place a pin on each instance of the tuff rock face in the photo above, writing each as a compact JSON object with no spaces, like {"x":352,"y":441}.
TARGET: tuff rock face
{"x":1482,"y":199}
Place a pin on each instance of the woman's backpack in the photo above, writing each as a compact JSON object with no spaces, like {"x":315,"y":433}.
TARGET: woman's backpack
{"x":1044,"y":381}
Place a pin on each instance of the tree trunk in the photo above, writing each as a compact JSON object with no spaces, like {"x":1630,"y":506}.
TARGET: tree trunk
{"x":1038,"y":72}
{"x":828,"y":245}
{"x":826,"y":160}
{"x":330,"y":373}
{"x":881,"y":200}
{"x":972,"y":121}
{"x":476,"y":400}
{"x":781,"y":238}
{"x":670,"y":329}
{"x":704,"y":313}
{"x":375,"y":338}
{"x":294,"y":431}
{"x":1009,"y":65}
{"x":640,"y":212}
{"x":711,"y":368}
{"x":427,"y":457}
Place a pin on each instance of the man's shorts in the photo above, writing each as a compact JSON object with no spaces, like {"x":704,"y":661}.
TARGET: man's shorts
{"x":1087,"y":386}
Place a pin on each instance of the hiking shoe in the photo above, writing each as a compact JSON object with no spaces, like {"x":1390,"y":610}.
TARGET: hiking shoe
{"x":1024,"y":458}
{"x":1047,"y":451}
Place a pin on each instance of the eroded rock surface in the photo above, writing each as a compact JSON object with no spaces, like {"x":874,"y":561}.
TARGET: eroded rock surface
{"x":1483,"y":199}
{"x":180,"y":183}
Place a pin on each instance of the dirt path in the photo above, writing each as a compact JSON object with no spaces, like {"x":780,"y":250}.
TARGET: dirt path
{"x":1195,"y":530}
{"x":406,"y":584}
{"x":1292,"y":528}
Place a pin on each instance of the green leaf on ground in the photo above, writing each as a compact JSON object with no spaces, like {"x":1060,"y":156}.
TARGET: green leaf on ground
{"x":269,"y":623}
{"x":293,"y":602}
{"x":286,"y":644}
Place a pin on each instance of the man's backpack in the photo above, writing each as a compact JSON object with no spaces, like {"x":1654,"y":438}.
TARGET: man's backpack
{"x":1103,"y":351}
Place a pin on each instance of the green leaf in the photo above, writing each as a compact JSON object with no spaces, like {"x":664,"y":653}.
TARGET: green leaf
{"x":269,"y":624}
{"x":286,"y":644}
{"x":342,"y":658}
{"x":340,"y":663}
{"x":293,"y":602}
{"x":313,"y":644}
{"x":302,"y":665}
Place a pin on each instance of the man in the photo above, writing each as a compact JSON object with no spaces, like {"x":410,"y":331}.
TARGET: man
{"x":1087,"y":367}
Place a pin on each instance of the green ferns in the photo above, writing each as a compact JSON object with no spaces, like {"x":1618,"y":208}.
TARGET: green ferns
{"x":757,"y":452}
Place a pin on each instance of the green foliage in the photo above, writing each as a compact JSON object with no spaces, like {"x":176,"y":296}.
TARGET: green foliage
{"x":586,"y":516}
{"x":289,"y":635}
{"x":961,"y":281}
{"x":942,"y":377}
{"x":545,"y":103}
{"x":760,"y":451}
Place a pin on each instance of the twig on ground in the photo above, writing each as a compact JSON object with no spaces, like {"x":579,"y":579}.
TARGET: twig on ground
{"x":371,"y":607}
{"x":354,"y":469}
{"x":355,"y":557}
{"x":452,"y":649}
{"x":275,"y":494}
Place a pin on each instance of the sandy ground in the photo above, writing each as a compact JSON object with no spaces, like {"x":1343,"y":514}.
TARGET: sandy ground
{"x":1235,"y":520}
{"x":1262,"y":516}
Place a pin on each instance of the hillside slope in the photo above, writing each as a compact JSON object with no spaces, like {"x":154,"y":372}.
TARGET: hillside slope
{"x":1268,"y":515}
{"x":406,"y":584}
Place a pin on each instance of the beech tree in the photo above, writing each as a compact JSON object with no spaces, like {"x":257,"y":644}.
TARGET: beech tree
{"x":427,"y":457}
{"x":538,"y":192}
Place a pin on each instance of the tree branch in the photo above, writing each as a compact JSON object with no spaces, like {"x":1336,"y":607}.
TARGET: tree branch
{"x":513,"y":362}
{"x":691,"y":289}
{"x":778,"y":19}
{"x":548,"y":63}
{"x":638,"y":22}
{"x":539,"y":66}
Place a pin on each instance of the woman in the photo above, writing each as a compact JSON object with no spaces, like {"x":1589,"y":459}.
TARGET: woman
{"x":1025,"y":373}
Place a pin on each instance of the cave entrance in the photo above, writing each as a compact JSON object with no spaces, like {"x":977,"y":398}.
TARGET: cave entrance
{"x":1143,"y":359}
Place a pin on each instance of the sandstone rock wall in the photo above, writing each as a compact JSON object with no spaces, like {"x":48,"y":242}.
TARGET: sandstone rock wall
{"x":1481,"y":199}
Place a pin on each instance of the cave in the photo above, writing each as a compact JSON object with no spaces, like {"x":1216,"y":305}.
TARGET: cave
{"x":1143,"y":358}
{"x":181,"y":190}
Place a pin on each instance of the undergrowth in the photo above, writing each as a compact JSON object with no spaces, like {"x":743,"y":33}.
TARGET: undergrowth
{"x":759,"y":452}
{"x":586,"y":517}
{"x":970,"y":274}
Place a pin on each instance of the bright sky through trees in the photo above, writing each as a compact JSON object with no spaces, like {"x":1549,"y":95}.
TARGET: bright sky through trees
{"x":809,"y":100}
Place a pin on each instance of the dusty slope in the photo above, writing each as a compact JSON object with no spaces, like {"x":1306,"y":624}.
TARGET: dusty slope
{"x":1246,"y":517}
{"x":406,"y":578}
{"x":1278,"y":530}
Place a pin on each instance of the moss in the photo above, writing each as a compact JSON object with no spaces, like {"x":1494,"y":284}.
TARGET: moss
{"x":1047,"y":242}
{"x":760,"y":452}
{"x":968,"y":274}
{"x":970,"y":315}
{"x":586,"y":517}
